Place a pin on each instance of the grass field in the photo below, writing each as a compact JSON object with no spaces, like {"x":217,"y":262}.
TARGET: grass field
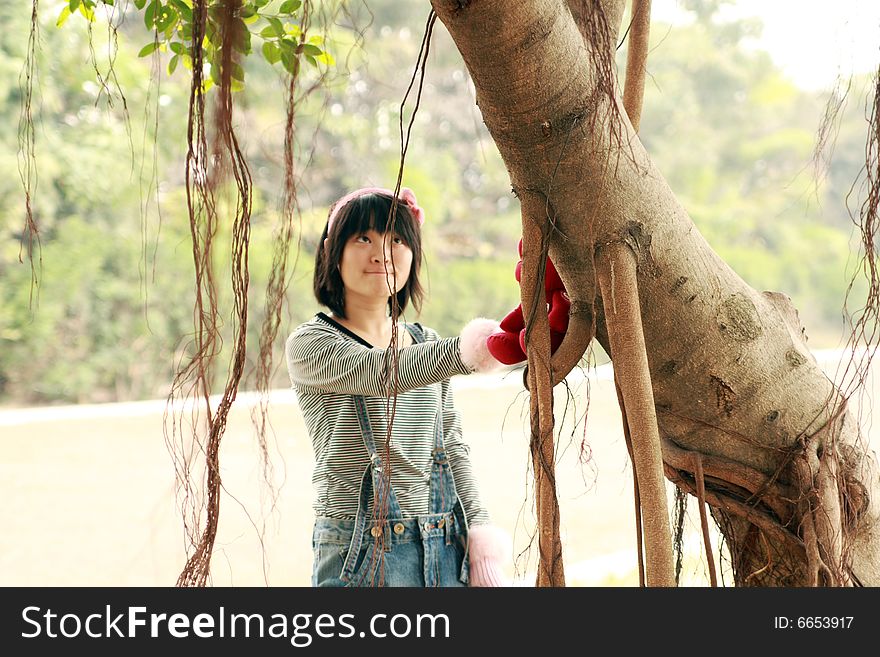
{"x":89,"y":492}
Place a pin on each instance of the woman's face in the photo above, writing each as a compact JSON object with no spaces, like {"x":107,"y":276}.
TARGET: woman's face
{"x":374,"y":265}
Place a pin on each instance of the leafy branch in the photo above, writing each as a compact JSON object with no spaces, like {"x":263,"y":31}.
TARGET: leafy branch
{"x":279,"y":27}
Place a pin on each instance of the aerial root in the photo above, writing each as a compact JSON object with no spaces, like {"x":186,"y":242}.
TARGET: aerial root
{"x":704,"y":522}
{"x":725,"y":502}
{"x":761,"y":488}
{"x":821,"y":511}
{"x":574,"y":344}
{"x":551,"y":570}
{"x":618,"y":282}
{"x":814,"y":515}
{"x":636,"y":499}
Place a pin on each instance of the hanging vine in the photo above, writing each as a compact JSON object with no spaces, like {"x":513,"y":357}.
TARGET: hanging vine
{"x":27,"y":159}
{"x":208,"y":37}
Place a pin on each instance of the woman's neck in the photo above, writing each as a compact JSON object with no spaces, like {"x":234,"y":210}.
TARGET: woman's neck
{"x":371,"y":323}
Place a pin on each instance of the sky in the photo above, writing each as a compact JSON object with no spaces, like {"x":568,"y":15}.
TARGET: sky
{"x":813,"y":41}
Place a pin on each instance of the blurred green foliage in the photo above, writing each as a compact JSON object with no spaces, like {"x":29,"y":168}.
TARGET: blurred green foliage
{"x":113,"y":314}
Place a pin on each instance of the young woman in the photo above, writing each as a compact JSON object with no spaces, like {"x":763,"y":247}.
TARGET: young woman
{"x":404,"y":512}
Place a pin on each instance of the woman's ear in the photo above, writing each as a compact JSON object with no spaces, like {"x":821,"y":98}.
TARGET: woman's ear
{"x":325,"y":244}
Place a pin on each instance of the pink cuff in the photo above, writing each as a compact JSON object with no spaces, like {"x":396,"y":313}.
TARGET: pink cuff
{"x":486,"y":573}
{"x":486,"y":547}
{"x":474,"y":352}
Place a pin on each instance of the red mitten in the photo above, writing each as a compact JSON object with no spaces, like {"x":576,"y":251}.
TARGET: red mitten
{"x":552,"y":281}
{"x":507,"y":345}
{"x":504,"y":344}
{"x":513,"y":322}
{"x":555,"y":340}
{"x":558,"y":315}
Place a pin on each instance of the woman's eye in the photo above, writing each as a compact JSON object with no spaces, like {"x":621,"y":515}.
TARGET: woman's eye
{"x":362,"y":238}
{"x":399,"y":240}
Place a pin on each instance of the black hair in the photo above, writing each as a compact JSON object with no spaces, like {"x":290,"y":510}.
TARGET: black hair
{"x":367,"y":212}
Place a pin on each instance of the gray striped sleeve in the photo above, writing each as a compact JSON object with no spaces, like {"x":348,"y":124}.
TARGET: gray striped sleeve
{"x":318,"y":357}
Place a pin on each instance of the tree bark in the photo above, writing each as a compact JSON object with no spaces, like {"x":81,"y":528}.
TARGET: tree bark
{"x":732,"y":376}
{"x":551,"y":571}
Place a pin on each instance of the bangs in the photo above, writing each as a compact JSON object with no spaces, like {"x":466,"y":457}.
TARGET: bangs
{"x":371,"y":212}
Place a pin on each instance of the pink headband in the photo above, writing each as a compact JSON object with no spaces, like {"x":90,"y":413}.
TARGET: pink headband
{"x":407,"y":197}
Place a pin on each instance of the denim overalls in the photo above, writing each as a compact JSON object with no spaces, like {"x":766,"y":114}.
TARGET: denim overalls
{"x":425,"y":551}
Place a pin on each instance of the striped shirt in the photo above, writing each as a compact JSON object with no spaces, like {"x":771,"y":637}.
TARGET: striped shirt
{"x":328,"y":365}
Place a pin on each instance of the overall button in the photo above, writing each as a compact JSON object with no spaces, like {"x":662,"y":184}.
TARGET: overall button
{"x":441,"y":523}
{"x":399,"y":528}
{"x":376,"y":532}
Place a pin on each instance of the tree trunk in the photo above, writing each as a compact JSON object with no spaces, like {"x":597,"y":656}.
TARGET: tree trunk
{"x":790,"y":480}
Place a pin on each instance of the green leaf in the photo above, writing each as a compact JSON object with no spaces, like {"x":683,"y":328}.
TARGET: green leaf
{"x":277,"y":24}
{"x":62,"y":17}
{"x":290,"y":61}
{"x":215,"y":72}
{"x":271,"y":52}
{"x":268,"y":32}
{"x":326,"y":58}
{"x":247,"y":11}
{"x":237,"y":71}
{"x":88,"y":12}
{"x":317,"y":40}
{"x":140,"y":3}
{"x":177,"y":48}
{"x":211,"y":33}
{"x":183,"y":10}
{"x":311,"y":51}
{"x":166,"y":18}
{"x":290,"y":6}
{"x":73,"y":5}
{"x":210,"y":53}
{"x":150,"y":14}
{"x":173,"y":64}
{"x":312,"y":61}
{"x":148,"y":49}
{"x":293,"y":30}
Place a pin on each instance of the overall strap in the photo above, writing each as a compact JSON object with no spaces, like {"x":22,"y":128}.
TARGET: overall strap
{"x":375,"y":483}
{"x":416,"y":331}
{"x":418,"y":334}
{"x":443,"y":496}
